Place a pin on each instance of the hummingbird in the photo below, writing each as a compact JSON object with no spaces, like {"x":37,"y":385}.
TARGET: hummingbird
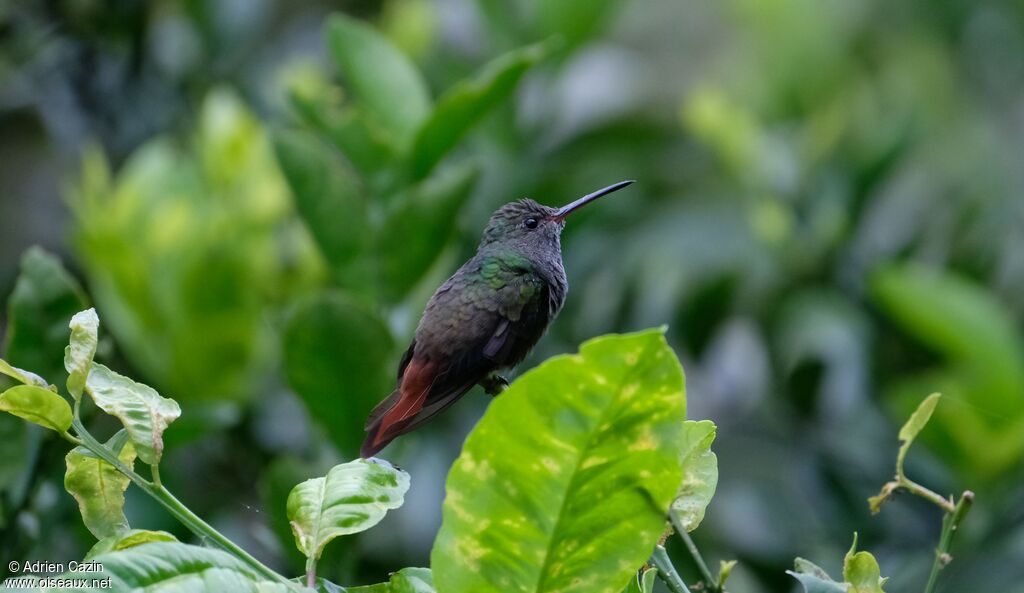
{"x":485,"y":318}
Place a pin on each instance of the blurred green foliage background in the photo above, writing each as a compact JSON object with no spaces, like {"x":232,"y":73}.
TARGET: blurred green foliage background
{"x":259,"y":198}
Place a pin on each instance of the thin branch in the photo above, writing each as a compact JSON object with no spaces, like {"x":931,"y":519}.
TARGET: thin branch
{"x":950,"y":524}
{"x":667,"y":571}
{"x":711,"y":581}
{"x":174,"y":506}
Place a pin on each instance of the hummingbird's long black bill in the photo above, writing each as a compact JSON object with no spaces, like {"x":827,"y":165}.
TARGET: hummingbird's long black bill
{"x":568,"y":209}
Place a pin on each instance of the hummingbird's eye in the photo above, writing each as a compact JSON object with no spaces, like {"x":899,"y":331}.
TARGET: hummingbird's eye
{"x":531,"y":223}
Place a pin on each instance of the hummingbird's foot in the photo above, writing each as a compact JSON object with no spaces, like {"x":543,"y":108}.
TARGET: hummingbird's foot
{"x":494,"y":384}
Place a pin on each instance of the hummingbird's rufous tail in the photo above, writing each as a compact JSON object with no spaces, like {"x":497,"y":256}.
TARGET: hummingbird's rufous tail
{"x":391,"y":417}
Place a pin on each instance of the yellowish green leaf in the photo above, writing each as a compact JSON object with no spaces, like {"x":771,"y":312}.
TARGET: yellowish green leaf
{"x":38,"y":405}
{"x":78,"y":355}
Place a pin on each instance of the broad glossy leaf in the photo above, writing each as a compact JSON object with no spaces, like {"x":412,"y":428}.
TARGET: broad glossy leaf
{"x":565,"y":483}
{"x":38,"y":405}
{"x":39,"y":309}
{"x":385,"y":82}
{"x":642,"y":582}
{"x":144,"y":414}
{"x":328,"y":196}
{"x":407,"y":580}
{"x":861,"y":571}
{"x":814,"y":579}
{"x":352,"y":497}
{"x":337,"y":357}
{"x":468,"y":101}
{"x":419,"y":226}
{"x":700,"y":473}
{"x":78,"y":355}
{"x":128,"y":539}
{"x":171,"y":567}
{"x":99,"y":488}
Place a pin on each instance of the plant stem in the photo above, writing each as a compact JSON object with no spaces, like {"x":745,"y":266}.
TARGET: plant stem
{"x":915,"y":488}
{"x":311,"y":572}
{"x":174,"y":506}
{"x":203,"y":529}
{"x":711,"y":581}
{"x":71,"y":438}
{"x":950,"y":524}
{"x":667,"y":571}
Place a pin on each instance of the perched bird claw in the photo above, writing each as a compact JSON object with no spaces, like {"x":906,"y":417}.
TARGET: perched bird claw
{"x":494,"y":384}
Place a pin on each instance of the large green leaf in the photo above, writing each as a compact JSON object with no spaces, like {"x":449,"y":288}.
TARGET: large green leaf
{"x":78,"y":355}
{"x":418,"y":227}
{"x":336,"y":355}
{"x":328,"y":196}
{"x":466,"y":102}
{"x":171,"y":567}
{"x":700,"y":474}
{"x":99,"y":488}
{"x":387,"y":85}
{"x":38,"y":405}
{"x":44,"y":299}
{"x":565,"y":483}
{"x":352,"y":497}
{"x":144,"y":414}
{"x":407,"y":580}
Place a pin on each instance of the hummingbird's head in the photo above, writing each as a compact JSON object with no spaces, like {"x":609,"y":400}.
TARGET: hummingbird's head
{"x":527,"y":223}
{"x":523,"y":222}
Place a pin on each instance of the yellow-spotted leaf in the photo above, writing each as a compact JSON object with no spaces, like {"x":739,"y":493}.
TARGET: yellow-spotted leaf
{"x":700,"y":474}
{"x":99,"y":488}
{"x":144,"y":414}
{"x":352,"y":497}
{"x":565,"y":483}
{"x":38,"y":405}
{"x":85,"y":327}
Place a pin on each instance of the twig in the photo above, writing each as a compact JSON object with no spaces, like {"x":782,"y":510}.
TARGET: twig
{"x":667,"y":571}
{"x":950,"y":524}
{"x":174,"y":506}
{"x":711,"y":581}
